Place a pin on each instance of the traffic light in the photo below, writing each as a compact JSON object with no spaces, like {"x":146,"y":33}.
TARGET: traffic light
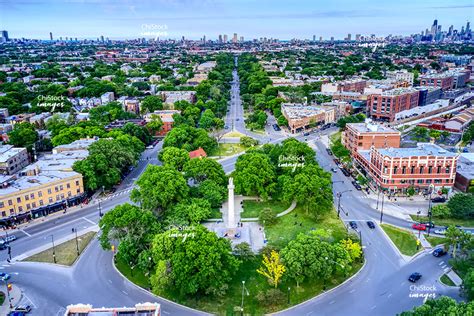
{"x":9,"y":287}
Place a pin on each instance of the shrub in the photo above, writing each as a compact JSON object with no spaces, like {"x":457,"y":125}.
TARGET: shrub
{"x":270,"y":297}
{"x":267,"y":216}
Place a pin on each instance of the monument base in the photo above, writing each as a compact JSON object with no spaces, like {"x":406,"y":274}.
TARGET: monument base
{"x":235,"y":235}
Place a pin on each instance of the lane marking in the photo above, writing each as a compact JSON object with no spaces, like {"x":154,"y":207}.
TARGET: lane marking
{"x":29,"y":299}
{"x":446,"y":270}
{"x":441,"y":263}
{"x":29,"y":235}
{"x":403,"y":283}
{"x":124,"y":292}
{"x":351,"y":291}
{"x":373,"y":307}
{"x":444,"y":266}
{"x":332,"y":302}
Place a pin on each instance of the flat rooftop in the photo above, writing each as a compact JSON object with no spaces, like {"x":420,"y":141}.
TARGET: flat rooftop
{"x":422,"y":149}
{"x":465,"y":165}
{"x":10,"y":151}
{"x":27,"y":182}
{"x":372,"y":128}
{"x":300,"y":111}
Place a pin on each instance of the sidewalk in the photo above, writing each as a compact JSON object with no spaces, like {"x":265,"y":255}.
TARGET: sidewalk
{"x":454,"y":277}
{"x":15,"y":297}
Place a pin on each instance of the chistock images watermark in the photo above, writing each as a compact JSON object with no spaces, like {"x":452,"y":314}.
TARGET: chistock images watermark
{"x":154,"y":30}
{"x":177,"y":231}
{"x":51,"y":101}
{"x":422,"y":291}
{"x":290,"y":161}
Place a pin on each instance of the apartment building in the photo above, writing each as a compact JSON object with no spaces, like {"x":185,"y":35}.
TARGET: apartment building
{"x":351,"y":85}
{"x":300,"y":117}
{"x":363,"y":136}
{"x":401,"y":75}
{"x":445,"y":81}
{"x":171,"y":97}
{"x":166,"y":117}
{"x":12,"y":159}
{"x":396,"y":169}
{"x":384,"y":106}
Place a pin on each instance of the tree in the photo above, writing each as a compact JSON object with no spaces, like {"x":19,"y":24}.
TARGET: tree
{"x":462,"y":205}
{"x":132,"y":227}
{"x":441,"y":211}
{"x":434,"y":134}
{"x":411,"y":191}
{"x":174,"y":157}
{"x":455,"y":237}
{"x":138,"y":131}
{"x":155,"y":124}
{"x":211,"y":191}
{"x":244,"y":251}
{"x":247,"y":141}
{"x":441,"y":306}
{"x":272,"y":268}
{"x":420,"y":133}
{"x":55,"y":124}
{"x":353,"y":249}
{"x":311,"y":188}
{"x":23,"y":135}
{"x":468,"y":285}
{"x":201,"y":169}
{"x":254,"y":175}
{"x":200,"y":264}
{"x":159,"y":188}
{"x":267,"y":216}
{"x":191,"y":211}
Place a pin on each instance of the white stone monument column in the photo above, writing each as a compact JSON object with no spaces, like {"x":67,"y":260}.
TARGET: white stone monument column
{"x":231,"y":225}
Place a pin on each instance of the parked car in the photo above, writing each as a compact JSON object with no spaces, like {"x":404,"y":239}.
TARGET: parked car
{"x":419,"y":226}
{"x":306,"y":134}
{"x":345,"y":172}
{"x":276,"y":127}
{"x":23,"y":308}
{"x":334,"y":170}
{"x":14,"y":313}
{"x":356,"y":185}
{"x":438,"y":252}
{"x":5,"y":276}
{"x":329,"y":151}
{"x":226,"y":127}
{"x":353,"y":224}
{"x":9,"y":238}
{"x":438,"y":199}
{"x":414,"y":277}
{"x":237,"y":119}
{"x":371,"y":224}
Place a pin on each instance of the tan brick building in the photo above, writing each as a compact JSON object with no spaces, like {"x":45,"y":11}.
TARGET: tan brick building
{"x":362,"y":136}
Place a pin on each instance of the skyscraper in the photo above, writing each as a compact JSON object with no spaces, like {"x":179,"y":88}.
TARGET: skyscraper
{"x":220,"y":38}
{"x":434,"y":27}
{"x":225,"y":38}
{"x":234,"y":39}
{"x":204,"y":39}
{"x":320,"y":38}
{"x":314,"y":38}
{"x":102,"y":38}
{"x":349,"y":36}
{"x":241,"y":39}
{"x":4,"y":36}
{"x":357,"y":37}
{"x":50,"y":36}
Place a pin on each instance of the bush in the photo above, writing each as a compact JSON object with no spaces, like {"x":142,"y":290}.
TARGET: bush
{"x":441,"y":211}
{"x":247,"y":141}
{"x":267,"y":216}
{"x":462,"y":205}
{"x":270,"y":297}
{"x":244,"y":251}
{"x":411,"y":191}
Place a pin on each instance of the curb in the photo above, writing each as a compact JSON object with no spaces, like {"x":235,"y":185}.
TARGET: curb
{"x":324,"y":293}
{"x":400,"y":254}
{"x":448,"y":286}
{"x":150,"y":293}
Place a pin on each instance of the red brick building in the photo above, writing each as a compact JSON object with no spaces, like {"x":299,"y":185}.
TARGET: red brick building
{"x":442,"y":80}
{"x":362,"y":136}
{"x":384,"y":106}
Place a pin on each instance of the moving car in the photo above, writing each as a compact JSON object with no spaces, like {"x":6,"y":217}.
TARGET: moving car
{"x":276,"y":127}
{"x":440,"y":231}
{"x":438,"y":199}
{"x":306,"y":134}
{"x":353,"y":224}
{"x":419,"y":226}
{"x":345,"y":172}
{"x":329,"y":151}
{"x":439,"y":252}
{"x":334,"y":170}
{"x":414,"y":277}
{"x":23,"y":308}
{"x":430,"y":225}
{"x":5,"y":276}
{"x":9,"y":238}
{"x":371,"y":224}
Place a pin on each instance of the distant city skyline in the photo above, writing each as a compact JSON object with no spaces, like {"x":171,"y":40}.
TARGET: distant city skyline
{"x":193,"y":19}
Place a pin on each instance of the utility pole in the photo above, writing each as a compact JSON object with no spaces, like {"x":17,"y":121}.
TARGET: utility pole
{"x":54,"y":249}
{"x":339,"y":195}
{"x":429,"y":210}
{"x":381,"y":210}
{"x":77,"y":243}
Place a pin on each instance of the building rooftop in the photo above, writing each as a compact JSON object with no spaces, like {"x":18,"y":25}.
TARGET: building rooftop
{"x":27,"y":182}
{"x":465,"y":165}
{"x":422,"y":149}
{"x":398,"y":91}
{"x":372,"y":128}
{"x":296,"y":111}
{"x":8,"y":151}
{"x":77,"y":144}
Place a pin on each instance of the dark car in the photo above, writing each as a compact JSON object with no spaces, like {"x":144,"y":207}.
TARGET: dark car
{"x":329,"y":151}
{"x":306,"y":134}
{"x":276,"y":127}
{"x":438,"y":199}
{"x":14,"y":313}
{"x":429,"y":225}
{"x":439,"y":252}
{"x":371,"y":224}
{"x":353,"y":224}
{"x":334,"y":170}
{"x":5,"y":276}
{"x":345,"y":172}
{"x":23,"y":308}
{"x":414,"y":277}
{"x":356,"y":185}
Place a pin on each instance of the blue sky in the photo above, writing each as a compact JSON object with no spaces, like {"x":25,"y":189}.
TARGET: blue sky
{"x":251,"y":19}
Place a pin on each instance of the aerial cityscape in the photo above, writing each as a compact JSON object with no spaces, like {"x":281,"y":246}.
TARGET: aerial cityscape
{"x":236,"y":158}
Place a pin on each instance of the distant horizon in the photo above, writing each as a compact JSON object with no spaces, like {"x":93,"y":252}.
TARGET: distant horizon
{"x":193,"y":19}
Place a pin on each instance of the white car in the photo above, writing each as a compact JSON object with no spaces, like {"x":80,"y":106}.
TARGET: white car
{"x":441,"y":231}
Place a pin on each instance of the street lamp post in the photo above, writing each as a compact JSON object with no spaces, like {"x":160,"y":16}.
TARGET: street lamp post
{"x":289,"y":295}
{"x":381,"y":209}
{"x":54,"y":249}
{"x":77,"y":243}
{"x":8,"y":293}
{"x":339,"y":195}
{"x":244,"y":290}
{"x":429,"y":210}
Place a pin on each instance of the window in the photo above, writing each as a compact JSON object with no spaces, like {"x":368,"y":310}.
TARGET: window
{"x":61,"y":187}
{"x":40,"y":193}
{"x":49,"y":191}
{"x":27,"y":197}
{"x":10,"y":202}
{"x":421,"y":169}
{"x":20,"y":208}
{"x":32,"y":195}
{"x":33,"y":205}
{"x":69,"y":193}
{"x":57,"y":197}
{"x":28,"y":206}
{"x":2,"y":204}
{"x":439,"y":169}
{"x":12,"y":211}
{"x":430,"y":169}
{"x":50,"y":200}
{"x":420,"y":181}
{"x":448,"y":169}
{"x":77,"y":182}
{"x":78,"y":190}
{"x":56,"y":189}
{"x":395,"y":170}
{"x":18,"y":199}
{"x":428,"y":181}
{"x":412,"y":171}
{"x":4,"y":214}
{"x":41,"y":202}
{"x":404,"y":170}
{"x":68,"y":185}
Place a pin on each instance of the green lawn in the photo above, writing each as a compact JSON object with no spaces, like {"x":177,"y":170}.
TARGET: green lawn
{"x":66,"y":253}
{"x":446,"y":280}
{"x":135,"y":275}
{"x":445,"y":221}
{"x":289,"y":226}
{"x":233,"y":134}
{"x":404,"y":240}
{"x":434,"y":240}
{"x":228,"y":149}
{"x":252,"y":208}
{"x":254,"y":283}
